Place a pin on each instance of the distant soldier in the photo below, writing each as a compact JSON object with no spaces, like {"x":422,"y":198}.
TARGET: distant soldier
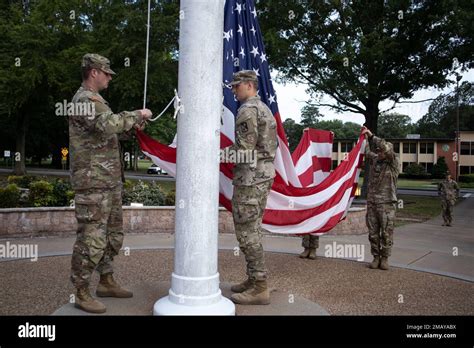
{"x":255,"y":131}
{"x":310,"y":244}
{"x":449,"y":192}
{"x":96,"y":179}
{"x":381,"y":198}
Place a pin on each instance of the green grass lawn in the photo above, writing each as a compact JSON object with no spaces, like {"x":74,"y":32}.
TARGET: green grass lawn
{"x":421,"y":208}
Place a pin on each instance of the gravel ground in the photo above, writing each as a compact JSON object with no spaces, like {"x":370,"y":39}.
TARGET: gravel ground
{"x":341,"y":287}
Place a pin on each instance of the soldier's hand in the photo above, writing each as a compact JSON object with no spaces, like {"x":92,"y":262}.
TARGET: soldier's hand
{"x":140,"y":126}
{"x":366,"y":131}
{"x":146,"y":114}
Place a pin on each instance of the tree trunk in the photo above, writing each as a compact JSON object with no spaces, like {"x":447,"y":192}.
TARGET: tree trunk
{"x":371,"y":119}
{"x":21,"y":125}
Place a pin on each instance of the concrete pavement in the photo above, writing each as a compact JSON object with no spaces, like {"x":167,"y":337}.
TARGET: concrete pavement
{"x":427,"y":247}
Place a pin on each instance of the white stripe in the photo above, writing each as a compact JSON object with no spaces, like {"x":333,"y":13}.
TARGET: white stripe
{"x":168,"y":166}
{"x":467,"y":195}
{"x":320,"y":150}
{"x":315,"y":222}
{"x":228,"y":126}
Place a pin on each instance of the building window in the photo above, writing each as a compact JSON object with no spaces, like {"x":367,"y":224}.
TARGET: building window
{"x":334,"y":146}
{"x":464,"y":170}
{"x":346,"y":146}
{"x":409,"y":147}
{"x":427,"y":148}
{"x":396,"y":147}
{"x":334,"y":164}
{"x":467,"y":148}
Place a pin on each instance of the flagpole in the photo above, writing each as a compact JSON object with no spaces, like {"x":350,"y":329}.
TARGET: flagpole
{"x":146,"y":54}
{"x":195,"y":278}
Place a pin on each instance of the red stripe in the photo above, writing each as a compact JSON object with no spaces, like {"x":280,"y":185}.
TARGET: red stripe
{"x":323,"y":162}
{"x":155,"y":148}
{"x":226,"y":203}
{"x":293,"y":217}
{"x":338,"y":173}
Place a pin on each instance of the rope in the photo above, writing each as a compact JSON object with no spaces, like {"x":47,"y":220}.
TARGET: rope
{"x":146,"y":58}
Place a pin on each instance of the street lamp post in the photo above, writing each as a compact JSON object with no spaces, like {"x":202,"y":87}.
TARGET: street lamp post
{"x":458,"y":147}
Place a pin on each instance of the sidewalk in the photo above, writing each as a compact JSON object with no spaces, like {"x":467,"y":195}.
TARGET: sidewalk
{"x":427,"y":247}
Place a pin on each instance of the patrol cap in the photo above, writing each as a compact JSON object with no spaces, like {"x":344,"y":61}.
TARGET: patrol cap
{"x":242,"y":76}
{"x":96,"y":61}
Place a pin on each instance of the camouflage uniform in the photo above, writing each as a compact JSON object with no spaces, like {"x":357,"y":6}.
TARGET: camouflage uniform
{"x":255,"y":131}
{"x":449,"y":192}
{"x":310,"y":242}
{"x":381,"y":196}
{"x":96,"y":179}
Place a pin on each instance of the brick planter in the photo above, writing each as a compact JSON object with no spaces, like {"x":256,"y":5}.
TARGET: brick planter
{"x":60,"y":221}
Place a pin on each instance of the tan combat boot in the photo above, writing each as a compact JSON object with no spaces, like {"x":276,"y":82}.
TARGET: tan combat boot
{"x":305,"y":253}
{"x":109,"y":288}
{"x":238,"y":288}
{"x":87,"y":303}
{"x":384,"y":263}
{"x":312,"y":254}
{"x":257,"y":295}
{"x":375,"y":263}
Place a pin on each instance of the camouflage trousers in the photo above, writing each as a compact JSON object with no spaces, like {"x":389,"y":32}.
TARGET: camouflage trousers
{"x":99,"y":233}
{"x":447,"y":205}
{"x":380,"y":222}
{"x":310,"y":241}
{"x":248,"y":206}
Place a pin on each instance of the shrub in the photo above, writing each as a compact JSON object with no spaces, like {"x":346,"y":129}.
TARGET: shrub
{"x":60,"y":192}
{"x":416,"y":171}
{"x":146,"y":193}
{"x":21,"y":181}
{"x":41,"y":194}
{"x":170,"y":198}
{"x":440,"y":168}
{"x":467,"y":178}
{"x":10,"y":196}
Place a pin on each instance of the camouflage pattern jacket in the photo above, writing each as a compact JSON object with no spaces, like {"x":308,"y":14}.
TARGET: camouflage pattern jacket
{"x":448,"y":190}
{"x":383,"y":174}
{"x":94,"y":143}
{"x":255,"y":131}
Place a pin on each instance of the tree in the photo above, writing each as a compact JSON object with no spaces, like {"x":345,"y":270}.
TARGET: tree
{"x":440,"y":120}
{"x":40,"y":53}
{"x":363,"y":52}
{"x":310,"y":115}
{"x":342,"y":130}
{"x":440,"y":168}
{"x":395,"y":126}
{"x":293,"y":131}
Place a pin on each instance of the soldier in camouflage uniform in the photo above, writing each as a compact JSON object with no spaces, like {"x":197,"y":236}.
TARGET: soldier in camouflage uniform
{"x":449,"y":192}
{"x":381,"y":198}
{"x":96,"y":179}
{"x":255,"y":131}
{"x":310,"y":244}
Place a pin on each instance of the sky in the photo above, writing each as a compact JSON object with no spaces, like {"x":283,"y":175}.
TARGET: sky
{"x":292,"y":97}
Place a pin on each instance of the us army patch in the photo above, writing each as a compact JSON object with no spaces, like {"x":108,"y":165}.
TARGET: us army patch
{"x":244,"y":127}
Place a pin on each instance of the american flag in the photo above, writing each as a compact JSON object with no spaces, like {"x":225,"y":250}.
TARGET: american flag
{"x":306,"y":197}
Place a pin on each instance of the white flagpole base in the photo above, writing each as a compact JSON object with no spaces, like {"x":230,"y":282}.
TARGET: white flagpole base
{"x":165,"y":306}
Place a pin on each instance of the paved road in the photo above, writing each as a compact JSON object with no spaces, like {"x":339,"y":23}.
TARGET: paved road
{"x":65,"y":173}
{"x":148,"y":177}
